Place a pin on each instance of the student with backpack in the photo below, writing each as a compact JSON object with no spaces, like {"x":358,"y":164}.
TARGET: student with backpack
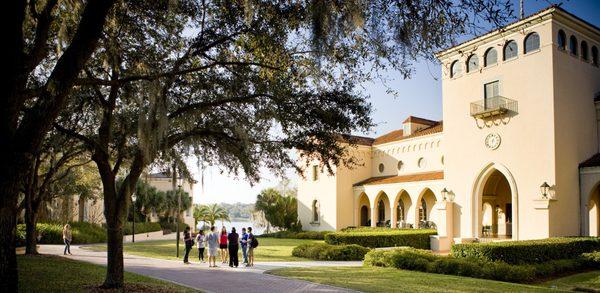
{"x":244,"y":244}
{"x":252,"y":244}
{"x":233,"y":239}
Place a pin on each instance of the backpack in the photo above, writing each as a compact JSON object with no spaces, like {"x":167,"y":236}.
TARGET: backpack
{"x":254,"y":242}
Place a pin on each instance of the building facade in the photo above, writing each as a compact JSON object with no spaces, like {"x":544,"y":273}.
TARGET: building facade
{"x":516,"y":154}
{"x":164,"y":182}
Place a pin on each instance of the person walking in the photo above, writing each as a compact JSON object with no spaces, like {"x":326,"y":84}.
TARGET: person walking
{"x":67,"y":238}
{"x":189,"y":242}
{"x":244,"y":244}
{"x":223,"y":245}
{"x":252,"y":244}
{"x":233,"y":239}
{"x":201,"y":240}
{"x":212,"y":240}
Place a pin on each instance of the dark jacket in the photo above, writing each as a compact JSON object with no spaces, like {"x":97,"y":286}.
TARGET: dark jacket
{"x":233,"y":239}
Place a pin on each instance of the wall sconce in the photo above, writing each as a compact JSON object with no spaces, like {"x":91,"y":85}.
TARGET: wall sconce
{"x":445,"y":194}
{"x":544,"y":188}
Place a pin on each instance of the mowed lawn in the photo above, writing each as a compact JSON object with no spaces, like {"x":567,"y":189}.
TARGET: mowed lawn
{"x":374,"y":279}
{"x":46,"y":273}
{"x":269,"y":249}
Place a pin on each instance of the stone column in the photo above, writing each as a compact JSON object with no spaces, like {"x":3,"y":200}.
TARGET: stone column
{"x":394,"y":217}
{"x":445,"y":226}
{"x":373,"y":216}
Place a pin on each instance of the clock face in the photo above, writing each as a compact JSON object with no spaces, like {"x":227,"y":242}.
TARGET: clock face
{"x":492,"y":141}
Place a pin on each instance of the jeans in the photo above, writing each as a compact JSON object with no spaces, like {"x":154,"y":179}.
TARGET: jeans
{"x":187,"y":253}
{"x":201,"y":253}
{"x":245,"y":253}
{"x":233,"y":255}
{"x":67,"y":246}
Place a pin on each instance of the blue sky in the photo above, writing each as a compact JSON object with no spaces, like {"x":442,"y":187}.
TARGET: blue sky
{"x":421,"y":95}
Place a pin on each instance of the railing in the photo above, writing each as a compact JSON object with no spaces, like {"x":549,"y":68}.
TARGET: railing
{"x":489,"y":107}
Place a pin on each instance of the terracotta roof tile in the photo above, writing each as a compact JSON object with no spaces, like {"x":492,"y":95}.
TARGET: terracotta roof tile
{"x":420,"y":120}
{"x":435,"y":175}
{"x":354,"y":139}
{"x":396,"y":135}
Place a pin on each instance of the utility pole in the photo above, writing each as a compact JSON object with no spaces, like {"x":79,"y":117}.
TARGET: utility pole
{"x":174,"y":181}
{"x":521,"y":10}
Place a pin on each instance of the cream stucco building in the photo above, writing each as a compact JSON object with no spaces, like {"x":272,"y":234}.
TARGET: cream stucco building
{"x":521,"y":110}
{"x":164,"y":182}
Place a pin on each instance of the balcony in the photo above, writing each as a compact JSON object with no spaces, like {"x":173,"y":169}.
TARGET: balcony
{"x":494,"y":106}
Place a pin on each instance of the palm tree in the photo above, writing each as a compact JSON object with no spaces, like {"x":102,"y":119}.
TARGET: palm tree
{"x":210,"y":213}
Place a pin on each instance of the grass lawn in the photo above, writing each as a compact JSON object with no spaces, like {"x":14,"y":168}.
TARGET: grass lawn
{"x":56,"y":274}
{"x":578,"y":282}
{"x":269,"y":249}
{"x":370,"y":279}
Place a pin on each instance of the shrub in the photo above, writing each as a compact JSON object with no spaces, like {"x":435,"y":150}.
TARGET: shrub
{"x":528,"y":251}
{"x":382,"y":237}
{"x":323,"y":251}
{"x":51,"y":233}
{"x":425,"y":261}
{"x":171,"y":227}
{"x":141,"y":227}
{"x":317,"y":235}
{"x":592,"y":259}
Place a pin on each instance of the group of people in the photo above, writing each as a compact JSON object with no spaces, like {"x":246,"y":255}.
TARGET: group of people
{"x":228,"y":243}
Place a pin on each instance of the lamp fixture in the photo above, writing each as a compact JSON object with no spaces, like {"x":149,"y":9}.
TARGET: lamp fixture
{"x":544,"y":188}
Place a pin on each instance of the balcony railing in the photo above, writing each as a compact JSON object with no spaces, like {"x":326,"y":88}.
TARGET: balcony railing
{"x":493,"y":106}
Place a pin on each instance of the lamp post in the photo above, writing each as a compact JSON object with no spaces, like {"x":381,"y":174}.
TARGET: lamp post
{"x":133,"y":198}
{"x":178,"y":215}
{"x":544,"y":188}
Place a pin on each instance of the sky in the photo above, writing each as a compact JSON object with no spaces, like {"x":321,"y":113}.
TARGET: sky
{"x":421,"y":96}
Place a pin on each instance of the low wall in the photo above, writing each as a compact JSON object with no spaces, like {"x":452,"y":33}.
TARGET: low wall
{"x":158,"y":235}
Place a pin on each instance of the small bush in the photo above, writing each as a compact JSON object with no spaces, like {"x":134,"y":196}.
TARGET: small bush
{"x":592,"y":259}
{"x":316,"y":235}
{"x":425,"y":261}
{"x":51,"y":233}
{"x":141,"y":227}
{"x":382,"y":237}
{"x":528,"y":251}
{"x":322,"y":251}
{"x":168,"y":227}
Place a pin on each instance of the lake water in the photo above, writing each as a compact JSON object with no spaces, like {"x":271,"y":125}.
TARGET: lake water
{"x":238,"y":226}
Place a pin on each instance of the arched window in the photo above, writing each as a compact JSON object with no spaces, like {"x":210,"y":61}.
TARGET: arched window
{"x":595,"y":55}
{"x":423,"y":210}
{"x":381,"y":211}
{"x":315,"y":211}
{"x":532,"y":42}
{"x":400,"y":211}
{"x":472,"y":63}
{"x":584,"y":51}
{"x":490,"y":57}
{"x":381,"y":168}
{"x":573,"y":45}
{"x":455,"y":69}
{"x":510,"y":50}
{"x":562,"y":40}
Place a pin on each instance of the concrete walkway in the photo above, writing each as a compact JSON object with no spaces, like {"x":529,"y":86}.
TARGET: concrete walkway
{"x":199,"y":276}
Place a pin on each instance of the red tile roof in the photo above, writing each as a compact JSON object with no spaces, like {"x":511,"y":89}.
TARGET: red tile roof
{"x":594,"y":161}
{"x":419,"y":120}
{"x":426,"y":176}
{"x":396,"y":135}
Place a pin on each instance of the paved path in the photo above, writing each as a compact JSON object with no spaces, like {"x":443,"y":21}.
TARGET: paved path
{"x":199,"y":276}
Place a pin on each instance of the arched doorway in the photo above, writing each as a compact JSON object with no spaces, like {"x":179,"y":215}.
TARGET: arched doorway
{"x":363,"y":210}
{"x":425,"y":205}
{"x":594,"y":212}
{"x":494,"y":203}
{"x":402,"y":205}
{"x":383,"y":211}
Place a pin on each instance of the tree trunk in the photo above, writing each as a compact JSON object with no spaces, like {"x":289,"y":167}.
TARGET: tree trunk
{"x":114,"y":210}
{"x":31,"y":216}
{"x":8,"y":218}
{"x":81,"y":213}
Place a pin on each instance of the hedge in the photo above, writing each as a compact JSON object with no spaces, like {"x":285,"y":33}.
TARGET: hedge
{"x":51,"y":233}
{"x":141,"y":227}
{"x":425,"y":261}
{"x":592,"y":259}
{"x":317,"y":235}
{"x":417,"y":238}
{"x":322,"y":251}
{"x":168,"y":227}
{"x":528,"y":251}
